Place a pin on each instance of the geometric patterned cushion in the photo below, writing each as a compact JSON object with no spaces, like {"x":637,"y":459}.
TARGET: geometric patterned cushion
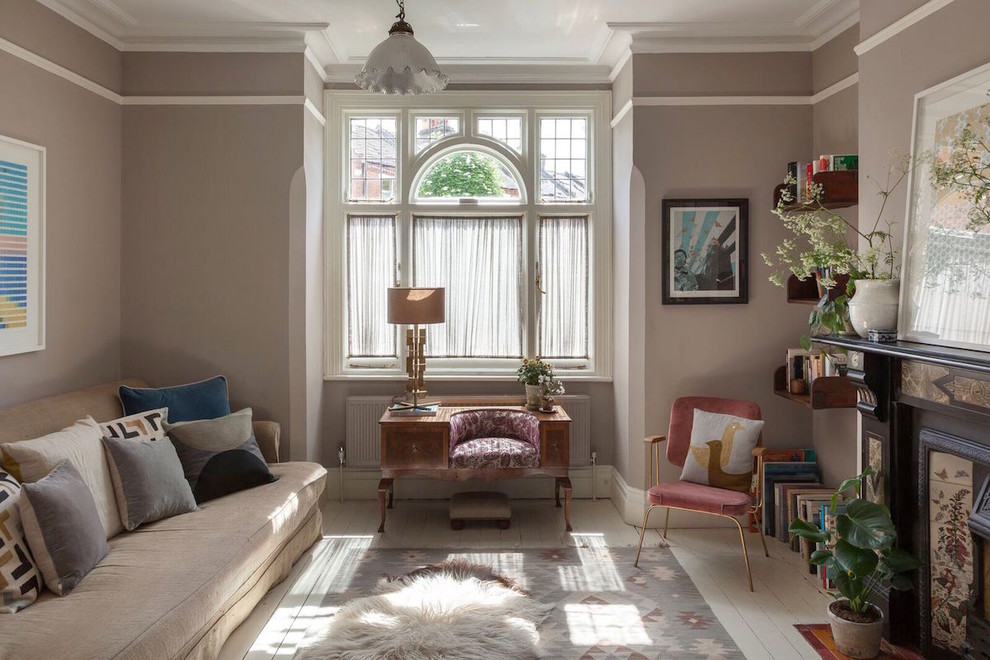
{"x":20,"y":580}
{"x":494,"y":453}
{"x":140,"y":427}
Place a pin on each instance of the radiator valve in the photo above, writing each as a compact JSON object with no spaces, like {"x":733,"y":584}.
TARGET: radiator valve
{"x":340,"y":455}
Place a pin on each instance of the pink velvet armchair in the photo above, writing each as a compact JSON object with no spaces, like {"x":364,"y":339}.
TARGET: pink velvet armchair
{"x":699,"y":498}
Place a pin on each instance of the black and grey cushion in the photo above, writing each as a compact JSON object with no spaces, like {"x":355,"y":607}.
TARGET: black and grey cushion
{"x":148,"y":481}
{"x":62,"y":527}
{"x":220,"y":456}
{"x":20,"y":580}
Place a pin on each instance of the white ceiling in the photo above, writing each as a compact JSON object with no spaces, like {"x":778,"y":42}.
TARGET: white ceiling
{"x":592,"y":35}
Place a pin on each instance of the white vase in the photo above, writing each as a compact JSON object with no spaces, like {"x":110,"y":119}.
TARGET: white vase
{"x":534,"y":394}
{"x":856,"y":640}
{"x":874,"y":306}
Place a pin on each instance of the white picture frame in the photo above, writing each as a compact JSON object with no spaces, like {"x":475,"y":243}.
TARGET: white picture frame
{"x":22,"y":247}
{"x":945,"y":279}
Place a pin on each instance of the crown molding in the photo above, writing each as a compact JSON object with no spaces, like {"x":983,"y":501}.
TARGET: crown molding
{"x":895,"y":28}
{"x":77,"y":19}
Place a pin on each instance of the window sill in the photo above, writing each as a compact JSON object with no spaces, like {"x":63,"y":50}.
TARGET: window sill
{"x":460,"y":378}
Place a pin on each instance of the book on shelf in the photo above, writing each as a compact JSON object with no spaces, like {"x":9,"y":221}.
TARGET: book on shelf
{"x":807,"y":366}
{"x":792,"y":173}
{"x":838,"y":162}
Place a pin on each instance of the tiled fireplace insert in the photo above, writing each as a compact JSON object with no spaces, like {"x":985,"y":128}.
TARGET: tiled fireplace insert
{"x":926,"y":429}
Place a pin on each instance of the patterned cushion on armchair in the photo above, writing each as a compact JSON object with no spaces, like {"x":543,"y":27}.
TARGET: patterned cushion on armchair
{"x":494,"y":439}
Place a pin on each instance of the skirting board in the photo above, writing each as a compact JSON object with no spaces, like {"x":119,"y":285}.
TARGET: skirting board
{"x":362,"y":484}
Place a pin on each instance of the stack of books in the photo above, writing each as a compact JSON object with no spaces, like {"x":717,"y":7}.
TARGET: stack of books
{"x":803,"y":367}
{"x":798,"y":466}
{"x":803,"y":172}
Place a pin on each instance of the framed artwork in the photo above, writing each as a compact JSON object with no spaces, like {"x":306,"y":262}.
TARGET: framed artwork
{"x":705,"y":249}
{"x":22,"y":247}
{"x":945,"y":281}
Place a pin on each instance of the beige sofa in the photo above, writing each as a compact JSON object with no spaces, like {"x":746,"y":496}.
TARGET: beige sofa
{"x":176,"y":588}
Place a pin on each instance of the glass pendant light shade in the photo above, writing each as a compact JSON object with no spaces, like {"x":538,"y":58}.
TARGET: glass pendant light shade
{"x":401,"y":65}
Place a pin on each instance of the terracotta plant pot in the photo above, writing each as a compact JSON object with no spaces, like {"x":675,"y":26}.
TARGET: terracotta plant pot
{"x":534,"y":396}
{"x":857,"y":640}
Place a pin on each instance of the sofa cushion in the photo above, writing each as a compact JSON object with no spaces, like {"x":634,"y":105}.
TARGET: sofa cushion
{"x":164,"y":585}
{"x":482,"y":453}
{"x":147,"y":481}
{"x":20,"y":580}
{"x":205,"y":399}
{"x":218,"y":452}
{"x":62,"y":528}
{"x":81,"y":444}
{"x":141,"y":427}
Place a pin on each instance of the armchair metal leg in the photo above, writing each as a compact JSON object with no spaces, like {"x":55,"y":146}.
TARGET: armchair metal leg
{"x":666,"y":521}
{"x":642,"y":534}
{"x":742,"y":539}
{"x":759,"y":525}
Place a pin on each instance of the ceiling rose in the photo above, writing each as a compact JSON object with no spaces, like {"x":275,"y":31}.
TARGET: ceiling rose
{"x":400,"y":64}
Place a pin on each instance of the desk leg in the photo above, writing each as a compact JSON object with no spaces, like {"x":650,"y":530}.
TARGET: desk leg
{"x":556,"y":492}
{"x":391,"y":492}
{"x":384,"y":488}
{"x":565,"y":484}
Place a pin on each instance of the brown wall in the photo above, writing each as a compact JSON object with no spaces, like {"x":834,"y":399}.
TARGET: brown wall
{"x":835,"y":126}
{"x":81,"y":132}
{"x":206,"y":247}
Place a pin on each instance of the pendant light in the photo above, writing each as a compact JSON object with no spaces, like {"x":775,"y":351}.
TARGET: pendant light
{"x":400,"y":64}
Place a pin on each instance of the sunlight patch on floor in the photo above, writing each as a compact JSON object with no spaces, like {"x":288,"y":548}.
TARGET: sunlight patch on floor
{"x":331,"y":570}
{"x":605,"y":625}
{"x":597,"y":571}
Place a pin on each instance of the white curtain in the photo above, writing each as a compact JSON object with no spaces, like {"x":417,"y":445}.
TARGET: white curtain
{"x":564,"y":278}
{"x":371,"y":270}
{"x":479,"y":261}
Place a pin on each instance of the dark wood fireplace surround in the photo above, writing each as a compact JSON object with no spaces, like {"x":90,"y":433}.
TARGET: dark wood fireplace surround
{"x":915,"y":398}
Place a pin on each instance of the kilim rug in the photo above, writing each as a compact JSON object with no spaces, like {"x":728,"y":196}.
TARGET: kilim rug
{"x":603,"y":607}
{"x":819,"y":635}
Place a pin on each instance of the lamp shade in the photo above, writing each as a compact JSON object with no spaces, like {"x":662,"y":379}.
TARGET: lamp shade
{"x":416,"y":306}
{"x":401,"y":65}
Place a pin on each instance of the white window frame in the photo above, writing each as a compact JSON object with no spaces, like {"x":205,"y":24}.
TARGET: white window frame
{"x":469,"y":105}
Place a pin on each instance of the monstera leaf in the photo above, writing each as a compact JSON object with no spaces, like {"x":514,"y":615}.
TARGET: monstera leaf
{"x":866,"y":525}
{"x":855,"y":561}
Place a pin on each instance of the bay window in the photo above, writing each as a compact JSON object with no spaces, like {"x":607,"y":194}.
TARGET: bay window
{"x":502,"y":199}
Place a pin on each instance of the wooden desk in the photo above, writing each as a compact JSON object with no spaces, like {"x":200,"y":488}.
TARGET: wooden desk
{"x":421,"y":446}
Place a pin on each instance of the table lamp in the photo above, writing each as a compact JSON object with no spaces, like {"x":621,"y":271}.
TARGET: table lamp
{"x":415,"y":307}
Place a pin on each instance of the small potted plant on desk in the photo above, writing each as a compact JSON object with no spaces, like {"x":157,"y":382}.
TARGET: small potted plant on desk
{"x":860,"y":553}
{"x":531,"y":373}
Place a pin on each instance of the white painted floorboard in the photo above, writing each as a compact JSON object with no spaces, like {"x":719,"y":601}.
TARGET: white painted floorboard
{"x":761,"y":623}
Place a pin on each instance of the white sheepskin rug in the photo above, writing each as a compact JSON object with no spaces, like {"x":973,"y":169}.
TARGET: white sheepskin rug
{"x":453,"y":610}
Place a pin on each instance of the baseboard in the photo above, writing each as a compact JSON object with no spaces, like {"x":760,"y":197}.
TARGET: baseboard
{"x":362,"y":484}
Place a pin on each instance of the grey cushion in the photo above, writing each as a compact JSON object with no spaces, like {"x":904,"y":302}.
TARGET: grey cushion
{"x":148,"y":481}
{"x":197,"y":442}
{"x":62,"y":527}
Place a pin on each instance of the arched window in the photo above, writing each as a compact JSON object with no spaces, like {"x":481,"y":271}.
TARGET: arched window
{"x":468,"y":174}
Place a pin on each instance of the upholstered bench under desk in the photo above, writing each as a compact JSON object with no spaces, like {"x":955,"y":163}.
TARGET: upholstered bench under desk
{"x":490,"y":442}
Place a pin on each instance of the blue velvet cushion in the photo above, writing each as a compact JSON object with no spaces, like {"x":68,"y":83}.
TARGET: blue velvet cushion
{"x":206,"y":399}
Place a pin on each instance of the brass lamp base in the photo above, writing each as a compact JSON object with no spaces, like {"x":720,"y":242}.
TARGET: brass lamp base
{"x":415,"y":367}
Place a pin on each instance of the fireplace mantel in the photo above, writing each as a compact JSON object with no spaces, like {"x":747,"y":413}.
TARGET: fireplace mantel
{"x":906,"y":390}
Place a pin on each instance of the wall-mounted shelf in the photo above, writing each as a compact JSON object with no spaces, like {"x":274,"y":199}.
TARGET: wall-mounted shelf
{"x":805,"y":292}
{"x":826,"y":391}
{"x":841,"y":190}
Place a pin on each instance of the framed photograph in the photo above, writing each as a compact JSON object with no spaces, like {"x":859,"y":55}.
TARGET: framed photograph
{"x":22,"y":247}
{"x":705,"y":248}
{"x":945,"y":279}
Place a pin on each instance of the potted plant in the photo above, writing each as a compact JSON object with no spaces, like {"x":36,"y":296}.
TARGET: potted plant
{"x":860,"y":553}
{"x":821,"y":249}
{"x":550,"y":386}
{"x":529,"y":373}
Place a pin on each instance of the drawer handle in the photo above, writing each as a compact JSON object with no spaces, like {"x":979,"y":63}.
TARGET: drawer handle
{"x":414,"y":448}
{"x":553,"y":446}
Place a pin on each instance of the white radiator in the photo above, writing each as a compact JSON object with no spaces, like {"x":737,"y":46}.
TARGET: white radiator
{"x":363,"y":443}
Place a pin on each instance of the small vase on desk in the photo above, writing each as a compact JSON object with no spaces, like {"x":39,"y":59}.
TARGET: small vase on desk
{"x":533,"y":394}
